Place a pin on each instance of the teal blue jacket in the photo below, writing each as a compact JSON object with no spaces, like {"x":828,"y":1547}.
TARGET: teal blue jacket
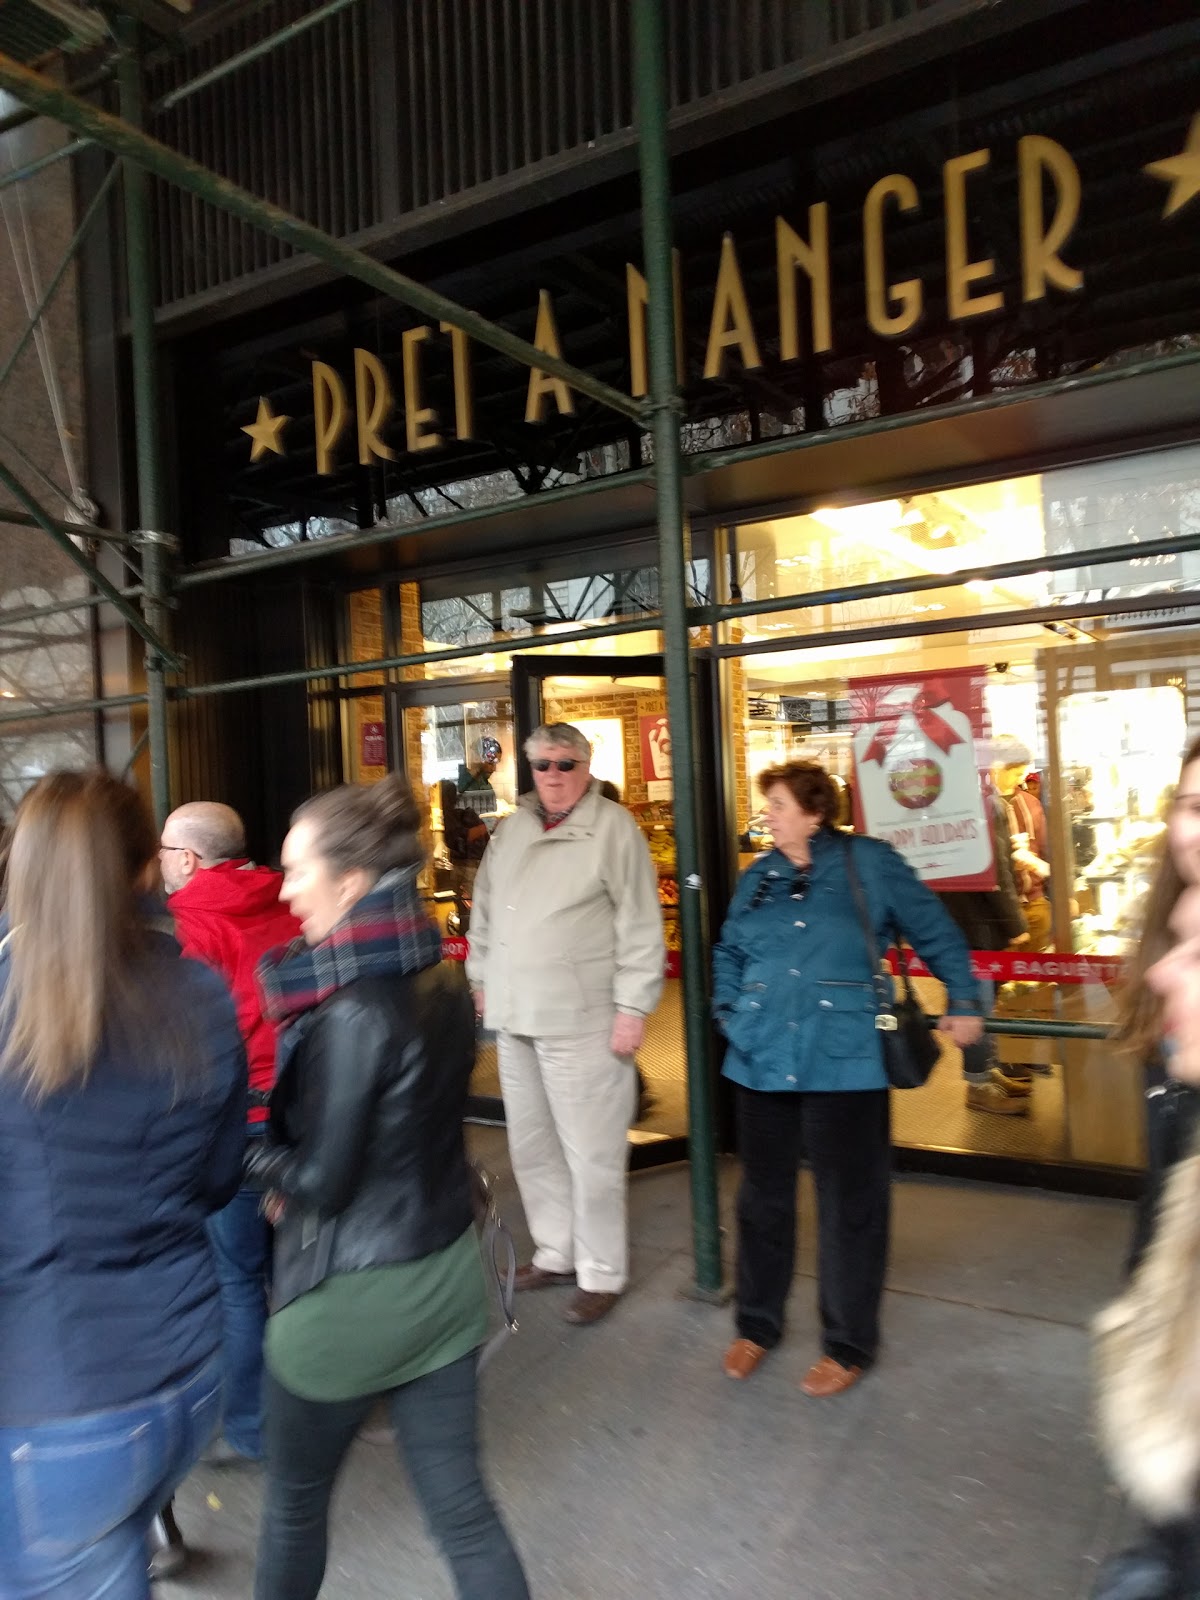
{"x":792,"y":986}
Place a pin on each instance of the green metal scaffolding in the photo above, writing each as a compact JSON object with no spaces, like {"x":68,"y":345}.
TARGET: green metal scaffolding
{"x":140,"y":156}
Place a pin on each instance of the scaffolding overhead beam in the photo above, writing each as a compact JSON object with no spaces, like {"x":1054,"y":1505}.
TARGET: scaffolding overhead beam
{"x":46,"y":97}
{"x":255,"y":52}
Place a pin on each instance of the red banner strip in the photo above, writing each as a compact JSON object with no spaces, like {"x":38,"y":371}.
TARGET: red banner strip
{"x":994,"y":966}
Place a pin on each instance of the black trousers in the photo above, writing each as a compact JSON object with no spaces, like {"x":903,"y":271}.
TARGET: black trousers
{"x":434,"y":1421}
{"x":847,"y":1140}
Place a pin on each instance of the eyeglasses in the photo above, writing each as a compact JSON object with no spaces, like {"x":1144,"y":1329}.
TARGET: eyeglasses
{"x":543,"y":765}
{"x":163,"y":847}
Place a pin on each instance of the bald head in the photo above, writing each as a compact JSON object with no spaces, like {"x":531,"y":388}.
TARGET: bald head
{"x":201,"y":834}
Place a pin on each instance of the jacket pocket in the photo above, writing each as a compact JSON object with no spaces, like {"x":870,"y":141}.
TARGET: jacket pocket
{"x":743,"y":1023}
{"x":845,"y":1019}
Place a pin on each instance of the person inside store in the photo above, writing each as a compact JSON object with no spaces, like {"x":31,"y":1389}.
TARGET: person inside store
{"x":992,"y":919}
{"x":475,"y":778}
{"x":794,"y":999}
{"x":1011,"y":763}
{"x":122,"y":1127}
{"x":566,"y":962}
{"x":1150,"y":1326}
{"x":378,"y":1287}
{"x":1029,"y":843}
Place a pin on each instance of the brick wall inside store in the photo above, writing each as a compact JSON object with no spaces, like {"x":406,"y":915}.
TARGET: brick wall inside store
{"x":630,"y":705}
{"x":365,"y":629}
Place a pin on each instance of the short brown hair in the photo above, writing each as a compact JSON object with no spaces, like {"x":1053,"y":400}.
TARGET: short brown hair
{"x":809,"y":785}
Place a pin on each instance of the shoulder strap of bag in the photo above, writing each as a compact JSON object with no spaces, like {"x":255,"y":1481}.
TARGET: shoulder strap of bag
{"x":884,"y":995}
{"x":499,"y":1260}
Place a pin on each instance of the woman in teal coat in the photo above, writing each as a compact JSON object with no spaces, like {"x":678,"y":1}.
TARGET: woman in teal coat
{"x":793,"y":997}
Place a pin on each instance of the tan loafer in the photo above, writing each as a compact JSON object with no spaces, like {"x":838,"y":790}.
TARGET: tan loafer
{"x":829,"y":1377}
{"x":588,"y":1306}
{"x":531,"y":1277}
{"x":740,"y":1360}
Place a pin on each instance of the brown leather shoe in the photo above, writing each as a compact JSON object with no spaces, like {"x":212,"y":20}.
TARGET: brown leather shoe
{"x":589,"y":1305}
{"x":531,"y":1277}
{"x":829,"y":1377}
{"x":742,"y":1357}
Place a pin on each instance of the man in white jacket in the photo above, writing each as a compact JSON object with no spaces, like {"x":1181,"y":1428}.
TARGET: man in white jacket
{"x":566,"y":964}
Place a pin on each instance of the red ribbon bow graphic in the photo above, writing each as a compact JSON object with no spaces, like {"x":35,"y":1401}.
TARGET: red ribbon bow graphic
{"x":923,"y":709}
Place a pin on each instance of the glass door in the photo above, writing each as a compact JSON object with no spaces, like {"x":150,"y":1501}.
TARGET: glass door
{"x":620,"y":704}
{"x":459,"y":754}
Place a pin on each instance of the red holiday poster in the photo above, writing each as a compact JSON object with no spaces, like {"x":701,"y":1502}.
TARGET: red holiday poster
{"x":917,"y":783}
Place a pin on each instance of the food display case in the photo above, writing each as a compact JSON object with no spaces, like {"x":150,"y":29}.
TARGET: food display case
{"x":1119,"y":759}
{"x":657,"y":822}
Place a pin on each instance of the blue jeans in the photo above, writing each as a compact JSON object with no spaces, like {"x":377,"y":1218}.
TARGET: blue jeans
{"x":241,"y":1241}
{"x":77,"y":1496}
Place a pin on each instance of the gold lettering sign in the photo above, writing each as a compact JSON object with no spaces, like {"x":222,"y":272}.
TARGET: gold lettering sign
{"x":1049,"y":200}
{"x":1041,"y":263}
{"x":417,"y":416}
{"x":881,"y":295}
{"x":730,"y":325}
{"x":961,"y":272}
{"x":545,"y":338}
{"x":464,"y":393}
{"x":637,"y":298}
{"x":372,"y":407}
{"x":329,"y":413}
{"x":792,"y":254}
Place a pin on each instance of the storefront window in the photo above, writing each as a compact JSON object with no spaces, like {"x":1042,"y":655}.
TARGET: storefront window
{"x":1108,"y":506}
{"x":1055,"y":744}
{"x":562,"y":598}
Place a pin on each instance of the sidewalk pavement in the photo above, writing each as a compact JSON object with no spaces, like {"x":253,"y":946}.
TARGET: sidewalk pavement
{"x":629,"y":1468}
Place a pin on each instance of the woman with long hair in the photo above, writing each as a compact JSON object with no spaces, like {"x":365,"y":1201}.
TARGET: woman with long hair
{"x":1149,"y":1365}
{"x":1172,"y":1107}
{"x":122,"y":1107}
{"x":378,"y":1283}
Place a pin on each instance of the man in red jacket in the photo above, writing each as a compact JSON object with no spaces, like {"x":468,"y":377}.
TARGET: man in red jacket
{"x":228,"y":914}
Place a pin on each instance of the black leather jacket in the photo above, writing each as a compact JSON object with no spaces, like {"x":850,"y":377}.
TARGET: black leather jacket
{"x":365,"y":1140}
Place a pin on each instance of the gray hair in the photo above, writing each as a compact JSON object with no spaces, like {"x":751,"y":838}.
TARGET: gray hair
{"x":559,"y":736}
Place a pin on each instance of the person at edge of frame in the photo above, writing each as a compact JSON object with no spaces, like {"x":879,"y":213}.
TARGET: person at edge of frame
{"x":1160,"y":1024}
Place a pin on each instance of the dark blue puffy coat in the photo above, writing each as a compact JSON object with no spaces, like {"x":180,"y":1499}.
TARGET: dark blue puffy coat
{"x":107,"y":1288}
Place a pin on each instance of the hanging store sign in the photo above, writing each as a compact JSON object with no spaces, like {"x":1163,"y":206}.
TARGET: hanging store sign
{"x":1047,"y":208}
{"x":917,"y":784}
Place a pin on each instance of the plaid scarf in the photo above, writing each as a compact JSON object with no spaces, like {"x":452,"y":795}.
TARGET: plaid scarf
{"x":387,"y":931}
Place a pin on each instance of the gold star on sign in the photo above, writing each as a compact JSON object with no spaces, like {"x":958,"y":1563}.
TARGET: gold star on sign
{"x":266,"y":430}
{"x":1182,"y":172}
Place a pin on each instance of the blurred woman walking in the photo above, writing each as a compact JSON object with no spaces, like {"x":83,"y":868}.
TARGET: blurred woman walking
{"x":378,"y":1283}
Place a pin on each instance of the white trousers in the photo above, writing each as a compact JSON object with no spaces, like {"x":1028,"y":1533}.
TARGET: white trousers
{"x":568,"y":1103}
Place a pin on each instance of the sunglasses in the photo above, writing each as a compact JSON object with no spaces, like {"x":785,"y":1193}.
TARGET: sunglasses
{"x":543,"y":765}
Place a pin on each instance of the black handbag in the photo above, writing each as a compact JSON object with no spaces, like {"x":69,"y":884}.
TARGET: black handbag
{"x":910,"y":1050}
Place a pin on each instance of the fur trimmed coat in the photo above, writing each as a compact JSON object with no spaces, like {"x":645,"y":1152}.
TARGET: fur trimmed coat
{"x":1148,"y":1362}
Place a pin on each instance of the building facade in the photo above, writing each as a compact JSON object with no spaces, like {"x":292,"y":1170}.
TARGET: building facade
{"x":938,"y":316}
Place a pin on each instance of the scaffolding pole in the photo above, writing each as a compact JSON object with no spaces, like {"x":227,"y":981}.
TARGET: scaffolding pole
{"x":666,"y":409}
{"x":156,"y":545}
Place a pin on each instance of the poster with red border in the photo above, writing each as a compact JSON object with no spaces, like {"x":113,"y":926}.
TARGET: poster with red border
{"x":917,"y":783}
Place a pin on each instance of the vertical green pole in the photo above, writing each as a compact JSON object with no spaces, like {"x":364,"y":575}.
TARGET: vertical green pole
{"x":666,"y":408}
{"x":156,"y":545}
